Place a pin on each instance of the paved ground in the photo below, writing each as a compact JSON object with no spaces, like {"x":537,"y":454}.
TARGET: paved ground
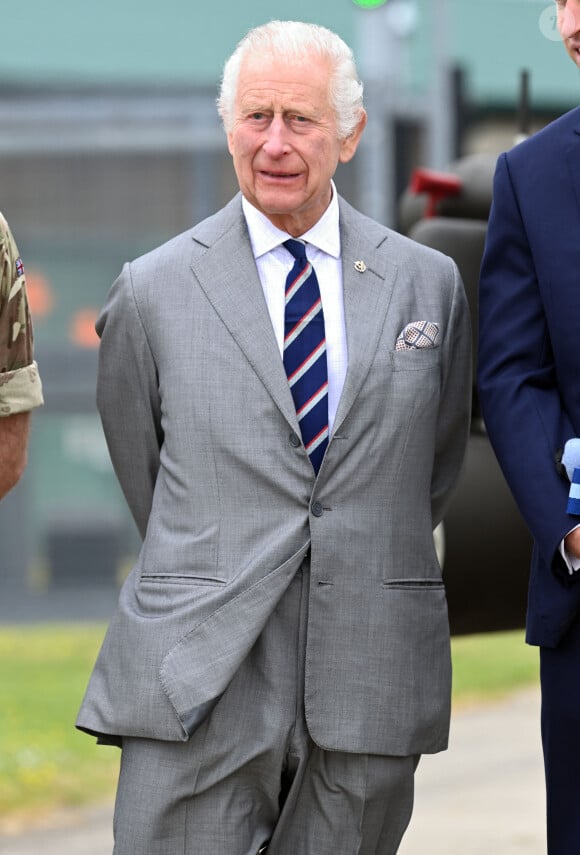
{"x":485,"y":795}
{"x":482,"y":797}
{"x":75,"y":833}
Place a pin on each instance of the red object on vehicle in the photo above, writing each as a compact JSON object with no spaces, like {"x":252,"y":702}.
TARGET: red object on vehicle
{"x":437,"y":186}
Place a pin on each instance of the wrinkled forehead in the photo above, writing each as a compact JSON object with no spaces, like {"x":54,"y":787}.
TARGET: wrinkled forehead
{"x":297,"y":64}
{"x":285,"y":82}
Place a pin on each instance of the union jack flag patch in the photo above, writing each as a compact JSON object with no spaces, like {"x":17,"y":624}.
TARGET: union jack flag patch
{"x":19,"y":267}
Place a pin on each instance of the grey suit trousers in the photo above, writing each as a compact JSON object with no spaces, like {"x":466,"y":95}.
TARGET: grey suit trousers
{"x":251,"y":775}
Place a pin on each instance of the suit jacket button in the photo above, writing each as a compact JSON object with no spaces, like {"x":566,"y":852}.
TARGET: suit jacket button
{"x":295,"y":440}
{"x":317,"y":509}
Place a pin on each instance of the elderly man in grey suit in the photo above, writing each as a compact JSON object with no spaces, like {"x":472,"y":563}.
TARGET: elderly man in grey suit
{"x":285,"y":394}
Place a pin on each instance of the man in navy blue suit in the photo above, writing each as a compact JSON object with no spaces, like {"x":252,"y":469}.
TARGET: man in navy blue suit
{"x":529,"y":380}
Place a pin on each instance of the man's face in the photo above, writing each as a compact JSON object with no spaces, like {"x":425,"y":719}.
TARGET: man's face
{"x":284,"y":141}
{"x":568,"y":12}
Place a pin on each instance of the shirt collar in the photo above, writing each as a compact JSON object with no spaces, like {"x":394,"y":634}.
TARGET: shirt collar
{"x":264,"y":236}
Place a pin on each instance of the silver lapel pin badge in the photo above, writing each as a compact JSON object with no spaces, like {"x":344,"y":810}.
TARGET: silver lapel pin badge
{"x":360,"y":266}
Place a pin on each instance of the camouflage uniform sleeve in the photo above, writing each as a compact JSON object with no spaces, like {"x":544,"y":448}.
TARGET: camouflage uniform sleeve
{"x":20,"y":386}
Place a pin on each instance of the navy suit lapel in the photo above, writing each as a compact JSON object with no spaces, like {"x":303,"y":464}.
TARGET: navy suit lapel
{"x":572,"y":154}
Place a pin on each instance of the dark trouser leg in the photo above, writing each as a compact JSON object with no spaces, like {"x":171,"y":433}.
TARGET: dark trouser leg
{"x":560,"y":679}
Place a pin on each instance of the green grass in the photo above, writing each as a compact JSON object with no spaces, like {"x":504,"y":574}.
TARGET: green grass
{"x":486,"y":667}
{"x":46,"y":764}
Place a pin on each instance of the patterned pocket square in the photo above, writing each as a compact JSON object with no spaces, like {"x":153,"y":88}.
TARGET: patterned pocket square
{"x":418,"y":334}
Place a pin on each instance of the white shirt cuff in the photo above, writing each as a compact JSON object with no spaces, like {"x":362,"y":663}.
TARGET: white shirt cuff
{"x":571,"y":561}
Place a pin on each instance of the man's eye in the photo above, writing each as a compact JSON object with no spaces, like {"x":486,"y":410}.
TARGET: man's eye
{"x":257,"y":116}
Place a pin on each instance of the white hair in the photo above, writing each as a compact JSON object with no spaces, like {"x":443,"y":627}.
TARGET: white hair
{"x":295,"y":40}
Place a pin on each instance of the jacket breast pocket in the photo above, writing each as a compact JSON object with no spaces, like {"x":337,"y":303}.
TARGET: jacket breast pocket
{"x":415,"y":385}
{"x":416,"y":359}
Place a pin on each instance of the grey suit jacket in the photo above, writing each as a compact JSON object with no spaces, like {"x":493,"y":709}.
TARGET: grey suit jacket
{"x":202,"y":433}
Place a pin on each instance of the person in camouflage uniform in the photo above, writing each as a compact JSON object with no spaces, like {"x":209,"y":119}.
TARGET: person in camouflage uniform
{"x":20,"y":386}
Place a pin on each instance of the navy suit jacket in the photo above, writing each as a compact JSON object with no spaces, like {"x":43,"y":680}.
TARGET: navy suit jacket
{"x":529,"y":351}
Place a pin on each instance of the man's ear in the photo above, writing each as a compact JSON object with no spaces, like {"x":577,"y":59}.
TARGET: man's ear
{"x":350,"y":144}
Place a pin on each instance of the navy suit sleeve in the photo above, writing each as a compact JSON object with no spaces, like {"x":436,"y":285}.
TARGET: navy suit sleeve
{"x":521,"y":402}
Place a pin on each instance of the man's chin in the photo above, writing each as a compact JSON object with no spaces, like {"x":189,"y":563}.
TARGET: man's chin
{"x":279,"y":207}
{"x":280,"y":199}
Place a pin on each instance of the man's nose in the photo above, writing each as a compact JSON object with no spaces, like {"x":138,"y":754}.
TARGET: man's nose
{"x":569,"y":19}
{"x":276,"y":142}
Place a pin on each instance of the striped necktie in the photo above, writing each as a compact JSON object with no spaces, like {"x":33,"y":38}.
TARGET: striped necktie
{"x":305,"y":353}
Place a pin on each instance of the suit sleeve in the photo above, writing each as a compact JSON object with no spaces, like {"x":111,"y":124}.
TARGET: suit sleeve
{"x":20,"y":385}
{"x":455,"y":406}
{"x":517,"y":377}
{"x":128,"y":398}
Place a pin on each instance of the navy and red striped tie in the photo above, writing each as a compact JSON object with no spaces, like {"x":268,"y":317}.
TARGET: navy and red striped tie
{"x":305,"y":353}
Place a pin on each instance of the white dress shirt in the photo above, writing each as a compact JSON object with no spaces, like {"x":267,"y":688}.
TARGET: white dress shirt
{"x":572,"y":563}
{"x":274,"y":262}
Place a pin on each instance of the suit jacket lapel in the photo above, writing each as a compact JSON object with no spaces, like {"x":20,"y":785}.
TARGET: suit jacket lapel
{"x":227,"y":273}
{"x":367,"y":296}
{"x":572,"y":150}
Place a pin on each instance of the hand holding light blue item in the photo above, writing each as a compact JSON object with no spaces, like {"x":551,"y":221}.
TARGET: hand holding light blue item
{"x":571,"y":462}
